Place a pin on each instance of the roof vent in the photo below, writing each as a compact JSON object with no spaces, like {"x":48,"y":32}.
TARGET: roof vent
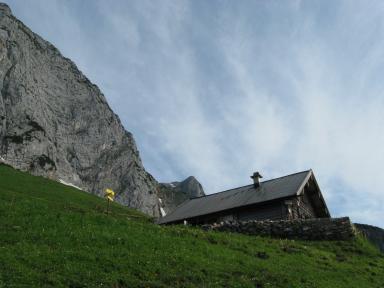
{"x":256,"y":179}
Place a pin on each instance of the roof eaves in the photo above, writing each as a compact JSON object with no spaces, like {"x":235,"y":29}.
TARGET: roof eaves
{"x":227,"y":209}
{"x":321,"y":196}
{"x":300,"y":189}
{"x":170,"y":214}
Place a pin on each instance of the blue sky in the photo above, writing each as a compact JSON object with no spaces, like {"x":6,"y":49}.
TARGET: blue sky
{"x":220,"y":89}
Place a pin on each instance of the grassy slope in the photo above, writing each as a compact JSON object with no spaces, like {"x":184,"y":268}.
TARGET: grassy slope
{"x":54,"y":235}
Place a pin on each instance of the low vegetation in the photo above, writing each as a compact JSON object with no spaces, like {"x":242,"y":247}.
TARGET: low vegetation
{"x":57,"y":236}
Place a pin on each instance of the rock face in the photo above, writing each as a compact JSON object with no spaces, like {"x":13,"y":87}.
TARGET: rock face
{"x":54,"y":122}
{"x":190,"y":186}
{"x":173,"y":194}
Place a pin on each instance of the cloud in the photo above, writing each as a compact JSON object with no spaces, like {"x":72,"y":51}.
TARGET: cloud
{"x":222,"y":89}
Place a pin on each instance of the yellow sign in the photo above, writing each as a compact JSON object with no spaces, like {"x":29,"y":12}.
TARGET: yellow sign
{"x":109,"y":194}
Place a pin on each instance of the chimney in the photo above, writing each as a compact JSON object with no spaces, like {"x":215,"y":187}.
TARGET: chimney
{"x":256,"y":179}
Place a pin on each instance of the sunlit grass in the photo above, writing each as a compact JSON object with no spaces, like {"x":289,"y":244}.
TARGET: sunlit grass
{"x":56,"y":236}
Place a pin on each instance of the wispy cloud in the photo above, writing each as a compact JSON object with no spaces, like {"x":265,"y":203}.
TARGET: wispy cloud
{"x":219,"y":89}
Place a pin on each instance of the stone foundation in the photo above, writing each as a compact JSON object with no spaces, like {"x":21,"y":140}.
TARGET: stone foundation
{"x":307,"y":229}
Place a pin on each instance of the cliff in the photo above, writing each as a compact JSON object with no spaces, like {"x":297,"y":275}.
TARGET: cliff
{"x":54,"y":122}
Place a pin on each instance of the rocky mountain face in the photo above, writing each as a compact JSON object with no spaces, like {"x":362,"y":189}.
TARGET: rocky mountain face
{"x":190,"y":186}
{"x":54,"y":122}
{"x":173,"y":194}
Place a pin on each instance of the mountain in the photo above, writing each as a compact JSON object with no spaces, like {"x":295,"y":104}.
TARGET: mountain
{"x":173,"y":194}
{"x":190,"y":186}
{"x":54,"y":122}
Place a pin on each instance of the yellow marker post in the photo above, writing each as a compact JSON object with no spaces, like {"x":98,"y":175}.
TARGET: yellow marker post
{"x":109,"y":195}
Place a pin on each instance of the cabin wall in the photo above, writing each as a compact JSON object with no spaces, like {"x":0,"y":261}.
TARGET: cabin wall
{"x":283,"y":209}
{"x":298,"y":208}
{"x":305,"y":208}
{"x":268,"y":211}
{"x":271,"y":211}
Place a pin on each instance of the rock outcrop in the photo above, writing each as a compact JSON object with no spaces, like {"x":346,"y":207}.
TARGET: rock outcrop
{"x":190,"y":186}
{"x":54,"y":122}
{"x":173,"y":194}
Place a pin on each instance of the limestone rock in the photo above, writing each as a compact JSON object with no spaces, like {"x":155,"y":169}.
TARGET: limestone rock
{"x":174,"y":193}
{"x":190,"y":186}
{"x":54,"y":122}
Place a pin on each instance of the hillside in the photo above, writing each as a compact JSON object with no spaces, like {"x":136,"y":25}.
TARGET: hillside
{"x":374,"y":234}
{"x":57,"y":236}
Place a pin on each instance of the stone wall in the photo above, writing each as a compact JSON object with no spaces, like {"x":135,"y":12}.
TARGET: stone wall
{"x":308,"y":229}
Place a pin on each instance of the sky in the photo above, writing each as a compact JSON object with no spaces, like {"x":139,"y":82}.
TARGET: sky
{"x":221,"y":89}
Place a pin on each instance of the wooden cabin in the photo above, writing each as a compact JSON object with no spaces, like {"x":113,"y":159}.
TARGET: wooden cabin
{"x":289,"y":197}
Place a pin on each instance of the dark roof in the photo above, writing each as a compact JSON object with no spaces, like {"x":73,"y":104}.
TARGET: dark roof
{"x":277,"y":188}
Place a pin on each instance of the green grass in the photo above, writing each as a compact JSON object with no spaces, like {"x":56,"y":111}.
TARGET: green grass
{"x":52,"y":235}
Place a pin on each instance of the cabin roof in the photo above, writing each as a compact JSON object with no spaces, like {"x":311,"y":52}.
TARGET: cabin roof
{"x":273,"y":189}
